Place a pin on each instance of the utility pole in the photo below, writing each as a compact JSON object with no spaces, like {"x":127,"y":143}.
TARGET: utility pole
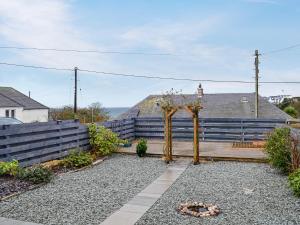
{"x":75,"y":91}
{"x":256,"y":63}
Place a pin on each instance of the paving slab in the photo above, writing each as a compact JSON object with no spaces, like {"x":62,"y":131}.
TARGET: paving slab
{"x":131,"y":212}
{"x":5,"y":221}
{"x":208,"y":150}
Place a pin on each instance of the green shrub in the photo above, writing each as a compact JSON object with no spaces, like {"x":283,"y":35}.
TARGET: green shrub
{"x":141,"y":147}
{"x":9,"y":168}
{"x":291,"y":111}
{"x":102,"y":140}
{"x":77,"y":159}
{"x":278,"y":149}
{"x":35,"y":174}
{"x":294,"y":182}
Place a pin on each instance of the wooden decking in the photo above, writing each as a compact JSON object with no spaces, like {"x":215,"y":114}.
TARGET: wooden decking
{"x":208,"y":151}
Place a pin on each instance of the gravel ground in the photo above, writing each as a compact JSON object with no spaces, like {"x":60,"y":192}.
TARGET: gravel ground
{"x":85,"y":197}
{"x":247,"y":193}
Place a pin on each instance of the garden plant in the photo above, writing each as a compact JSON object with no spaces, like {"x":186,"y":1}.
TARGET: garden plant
{"x":103,"y":140}
{"x":294,"y":182}
{"x":141,"y":147}
{"x":77,"y":159}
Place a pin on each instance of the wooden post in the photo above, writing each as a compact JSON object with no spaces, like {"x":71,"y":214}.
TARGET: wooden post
{"x":195,"y":113}
{"x":170,"y":139}
{"x":166,"y":150}
{"x":196,"y":137}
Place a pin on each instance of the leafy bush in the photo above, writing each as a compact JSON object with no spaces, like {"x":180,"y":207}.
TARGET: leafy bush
{"x":278,"y":149}
{"x":141,"y":147}
{"x":77,"y":159}
{"x":9,"y":168}
{"x":35,"y":174}
{"x":294,"y":182}
{"x":102,"y":140}
{"x":291,"y":111}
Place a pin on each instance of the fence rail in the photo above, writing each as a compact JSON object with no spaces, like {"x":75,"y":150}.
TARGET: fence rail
{"x":124,"y":128}
{"x":38,"y":142}
{"x":211,"y":129}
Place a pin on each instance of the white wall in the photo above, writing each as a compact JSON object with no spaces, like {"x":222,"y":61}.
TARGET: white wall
{"x":18,"y":112}
{"x":27,"y":116}
{"x":35,"y":115}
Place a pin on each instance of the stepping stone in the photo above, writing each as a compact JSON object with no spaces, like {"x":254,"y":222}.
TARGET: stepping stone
{"x":132,"y":211}
{"x":5,"y":221}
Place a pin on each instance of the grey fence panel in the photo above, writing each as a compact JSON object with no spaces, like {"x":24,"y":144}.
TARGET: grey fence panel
{"x":211,"y":129}
{"x":124,"y":128}
{"x":38,"y":142}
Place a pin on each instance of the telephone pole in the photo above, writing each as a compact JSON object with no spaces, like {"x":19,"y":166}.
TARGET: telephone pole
{"x":256,"y":63}
{"x":75,"y":91}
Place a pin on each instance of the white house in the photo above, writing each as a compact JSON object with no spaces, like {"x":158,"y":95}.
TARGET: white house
{"x":17,"y":105}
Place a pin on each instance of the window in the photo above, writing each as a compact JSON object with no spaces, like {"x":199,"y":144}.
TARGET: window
{"x":13,"y":113}
{"x":7,"y":113}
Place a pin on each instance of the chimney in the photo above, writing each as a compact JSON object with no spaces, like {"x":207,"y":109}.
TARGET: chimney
{"x":200,"y":91}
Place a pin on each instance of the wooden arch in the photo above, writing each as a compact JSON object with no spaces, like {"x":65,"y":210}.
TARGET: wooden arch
{"x":169,"y":111}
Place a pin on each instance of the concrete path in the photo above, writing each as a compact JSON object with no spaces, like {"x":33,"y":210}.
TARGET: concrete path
{"x":131,"y":212}
{"x":5,"y":221}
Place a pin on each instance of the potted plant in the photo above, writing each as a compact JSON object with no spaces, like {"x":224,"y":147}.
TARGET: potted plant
{"x":127,"y":143}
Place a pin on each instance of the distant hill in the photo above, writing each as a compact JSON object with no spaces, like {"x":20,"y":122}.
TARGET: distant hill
{"x":116,"y":111}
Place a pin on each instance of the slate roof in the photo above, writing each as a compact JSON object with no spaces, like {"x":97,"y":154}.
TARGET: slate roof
{"x":10,"y":97}
{"x":227,"y":105}
{"x":8,"y":120}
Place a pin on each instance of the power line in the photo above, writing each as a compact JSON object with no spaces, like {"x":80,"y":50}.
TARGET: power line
{"x":281,"y":49}
{"x":149,"y":77}
{"x":84,"y":51}
{"x":163,"y":78}
{"x":35,"y":67}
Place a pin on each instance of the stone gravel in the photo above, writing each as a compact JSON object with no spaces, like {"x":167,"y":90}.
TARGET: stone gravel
{"x":247,"y":193}
{"x":85,"y":197}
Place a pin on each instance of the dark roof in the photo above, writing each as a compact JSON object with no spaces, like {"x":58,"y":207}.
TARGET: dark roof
{"x":10,"y":97}
{"x":8,"y":121}
{"x":227,"y":105}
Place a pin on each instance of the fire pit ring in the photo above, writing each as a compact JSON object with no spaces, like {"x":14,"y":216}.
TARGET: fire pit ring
{"x":198,"y":209}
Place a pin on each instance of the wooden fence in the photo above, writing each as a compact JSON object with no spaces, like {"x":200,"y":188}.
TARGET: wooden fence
{"x":124,"y":128}
{"x":211,"y":129}
{"x":38,"y":142}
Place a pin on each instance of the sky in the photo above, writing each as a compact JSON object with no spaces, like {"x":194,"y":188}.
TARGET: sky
{"x":209,"y":39}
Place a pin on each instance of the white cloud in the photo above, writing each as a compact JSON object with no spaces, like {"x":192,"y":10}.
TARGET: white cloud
{"x":45,"y":24}
{"x":185,"y":40}
{"x":166,"y":35}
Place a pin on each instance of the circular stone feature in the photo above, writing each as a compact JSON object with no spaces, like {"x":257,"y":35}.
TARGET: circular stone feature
{"x":198,"y":209}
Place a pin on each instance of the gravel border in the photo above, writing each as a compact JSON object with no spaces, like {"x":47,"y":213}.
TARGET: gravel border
{"x":85,"y":197}
{"x":247,"y":193}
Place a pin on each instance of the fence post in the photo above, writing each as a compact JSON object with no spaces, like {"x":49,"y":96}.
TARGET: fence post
{"x":7,"y":146}
{"x":77,"y":128}
{"x":134,"y":121}
{"x":242,"y":131}
{"x":203,"y":129}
